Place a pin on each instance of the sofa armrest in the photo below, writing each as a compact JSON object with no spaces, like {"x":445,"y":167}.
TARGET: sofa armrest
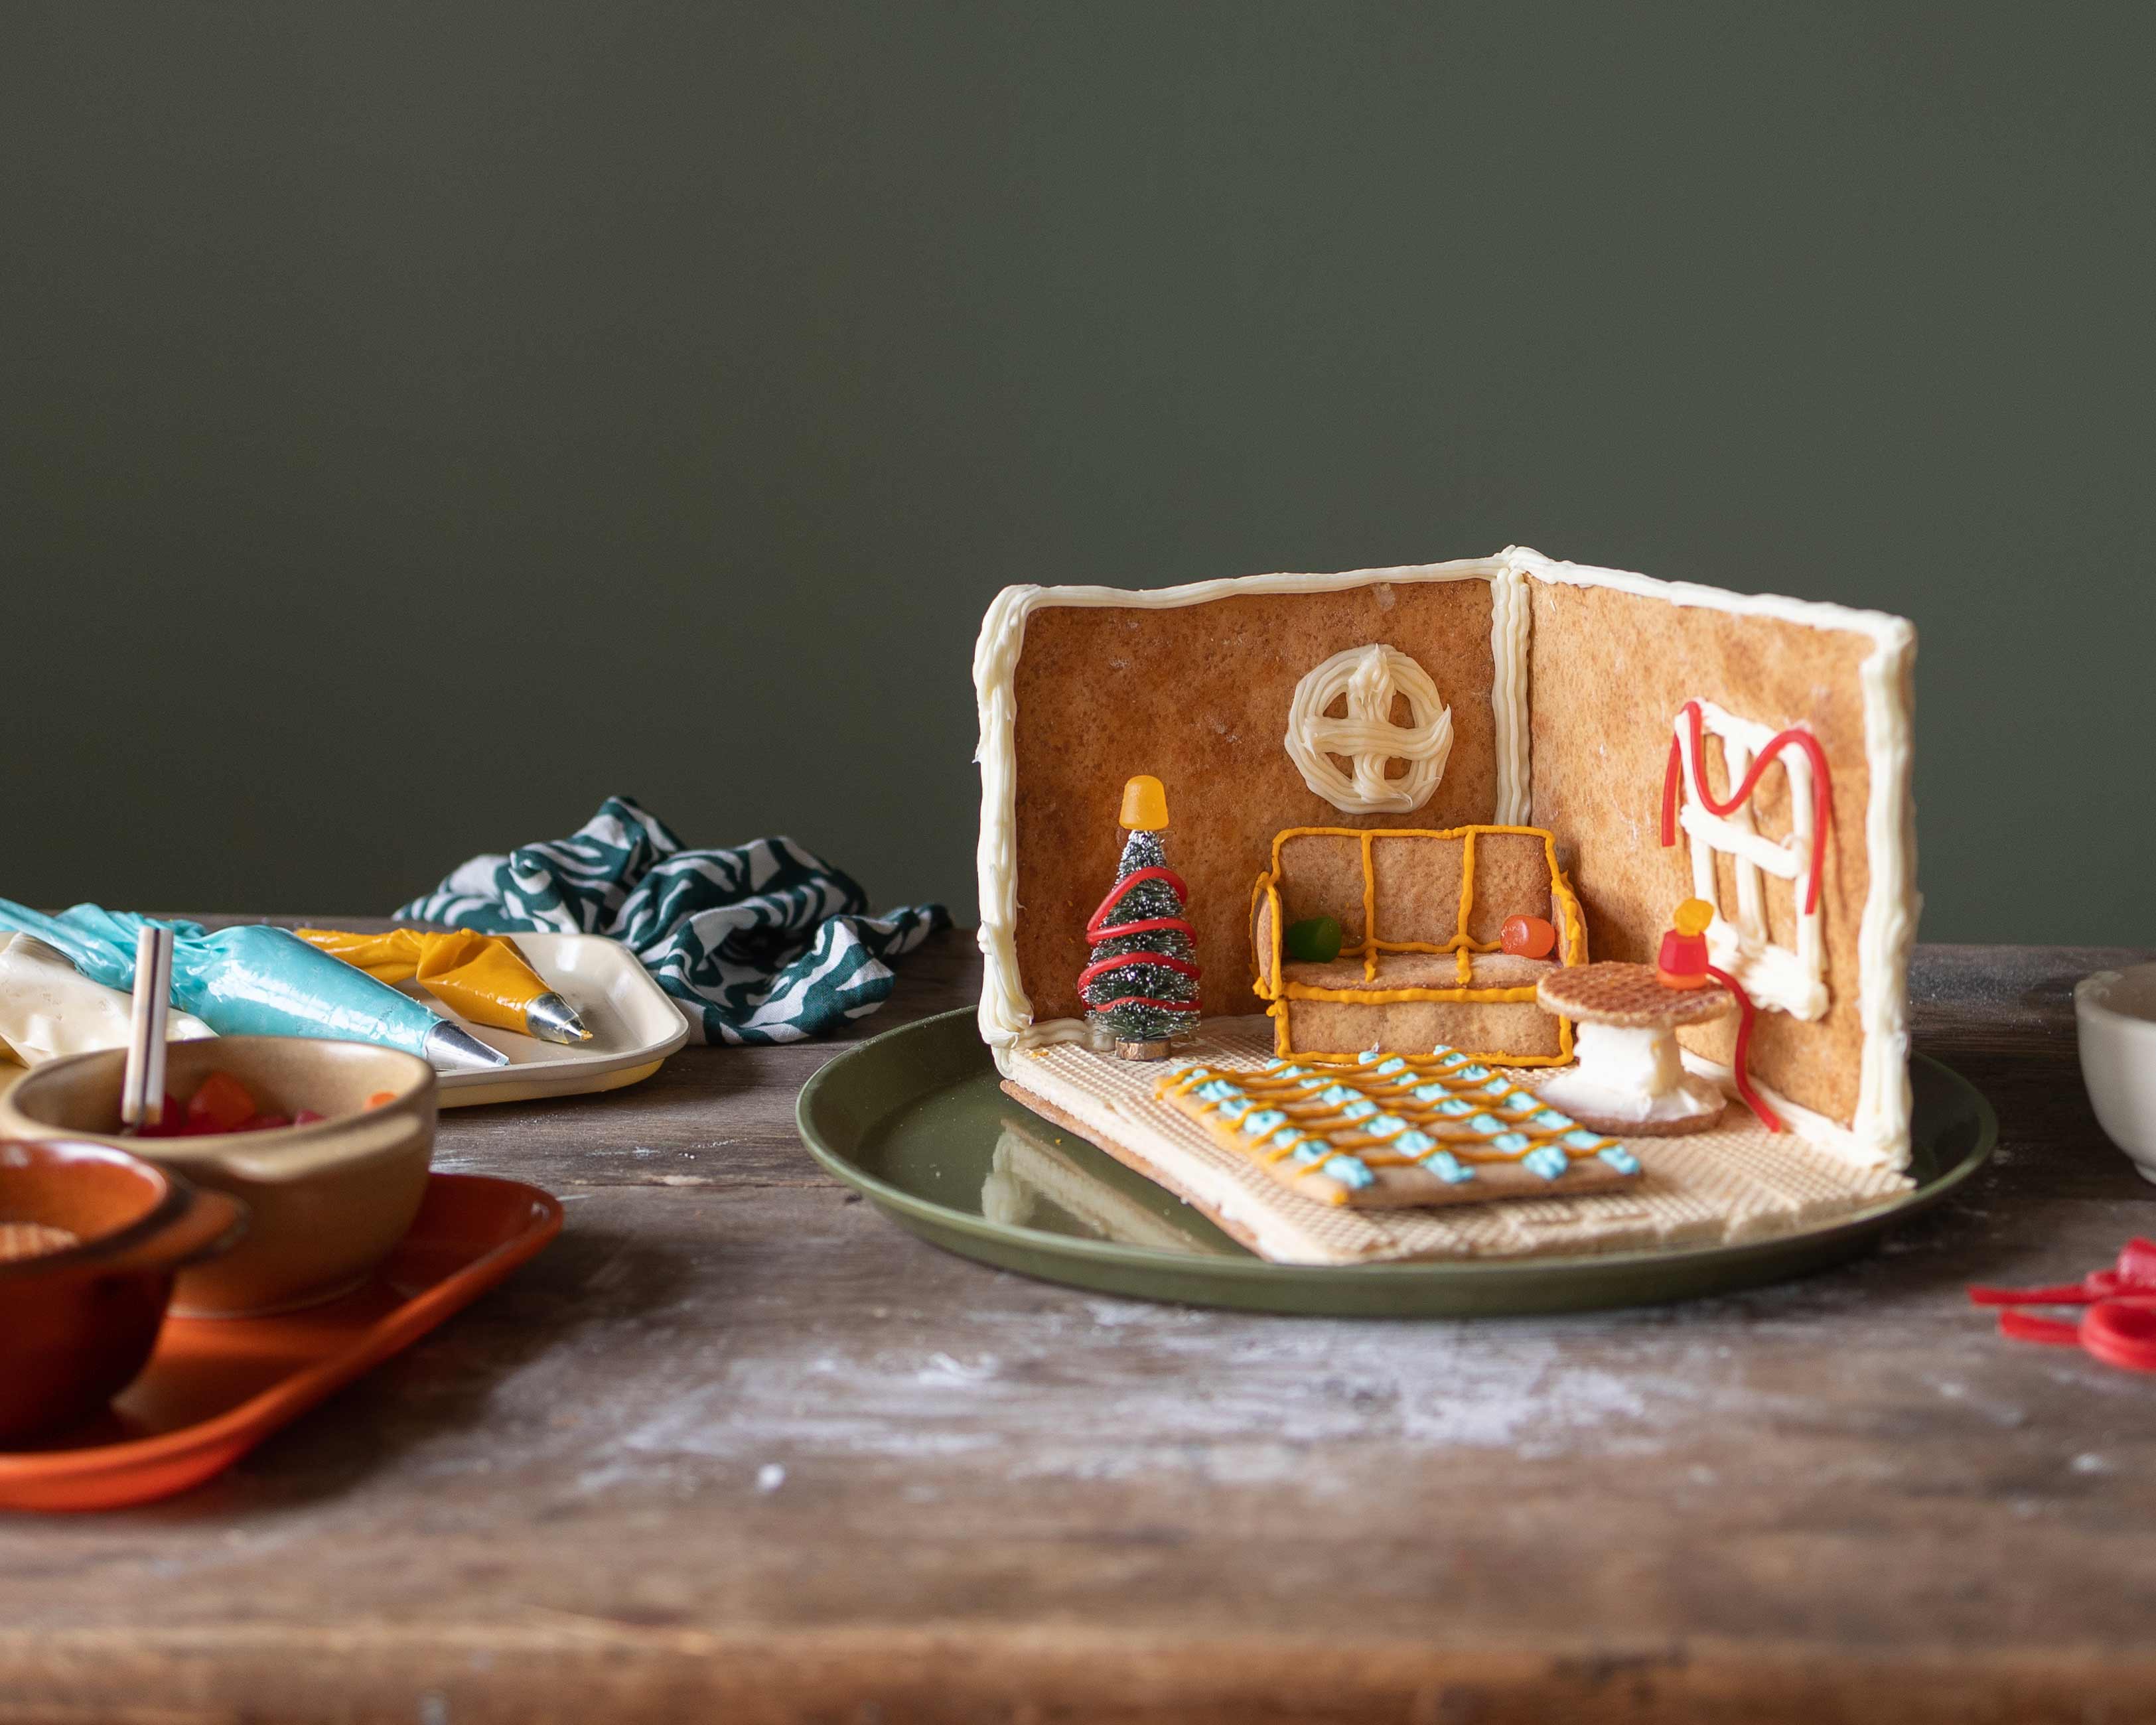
{"x":1265,"y":937}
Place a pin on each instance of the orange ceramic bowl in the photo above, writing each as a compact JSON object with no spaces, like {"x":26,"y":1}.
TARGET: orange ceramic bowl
{"x":93,"y":1237}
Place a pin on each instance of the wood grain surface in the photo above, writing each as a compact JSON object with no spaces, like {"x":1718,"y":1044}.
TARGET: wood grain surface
{"x":736,"y":1448}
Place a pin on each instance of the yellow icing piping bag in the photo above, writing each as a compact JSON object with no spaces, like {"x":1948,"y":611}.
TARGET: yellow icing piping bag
{"x":480,"y":977}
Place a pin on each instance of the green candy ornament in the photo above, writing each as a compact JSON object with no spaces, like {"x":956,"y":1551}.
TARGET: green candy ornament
{"x":1315,"y":940}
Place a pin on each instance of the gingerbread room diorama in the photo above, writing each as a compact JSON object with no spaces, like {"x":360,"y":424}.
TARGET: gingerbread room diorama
{"x":1491,"y":908}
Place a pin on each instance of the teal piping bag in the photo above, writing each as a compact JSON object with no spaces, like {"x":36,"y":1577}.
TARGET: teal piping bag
{"x":258,"y":981}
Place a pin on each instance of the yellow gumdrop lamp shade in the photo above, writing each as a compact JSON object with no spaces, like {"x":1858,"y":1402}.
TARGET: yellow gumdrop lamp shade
{"x":1693,"y":916}
{"x":1145,"y":804}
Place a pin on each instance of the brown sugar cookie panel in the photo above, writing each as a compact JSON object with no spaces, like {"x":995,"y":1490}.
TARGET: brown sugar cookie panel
{"x":1609,"y":670}
{"x":1198,"y":697}
{"x":1511,"y":879}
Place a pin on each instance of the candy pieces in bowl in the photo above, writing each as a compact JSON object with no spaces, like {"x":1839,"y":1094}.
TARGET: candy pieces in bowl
{"x":327,"y":1144}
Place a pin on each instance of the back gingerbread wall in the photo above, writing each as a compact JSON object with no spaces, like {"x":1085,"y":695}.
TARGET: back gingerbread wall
{"x":1609,"y":671}
{"x":1198,"y":695}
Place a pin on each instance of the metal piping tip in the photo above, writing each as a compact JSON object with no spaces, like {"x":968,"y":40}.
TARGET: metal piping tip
{"x":552,"y":1018}
{"x":450,"y":1049}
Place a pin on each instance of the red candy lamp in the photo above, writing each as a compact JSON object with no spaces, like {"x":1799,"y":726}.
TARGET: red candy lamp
{"x":1683,"y":963}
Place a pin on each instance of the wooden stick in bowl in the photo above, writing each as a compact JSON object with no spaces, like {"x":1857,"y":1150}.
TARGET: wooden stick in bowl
{"x":142,"y":1087}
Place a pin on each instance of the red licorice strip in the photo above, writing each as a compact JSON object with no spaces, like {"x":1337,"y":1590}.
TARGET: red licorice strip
{"x":2064,"y":1293}
{"x":2022,"y":1327}
{"x":1145,"y":1000}
{"x":2120,"y":1332}
{"x":1116,"y":930}
{"x":1116,"y":892}
{"x":1102,"y":967}
{"x":2134,"y":1277}
{"x":1822,"y":791}
{"x":1745,"y":1013}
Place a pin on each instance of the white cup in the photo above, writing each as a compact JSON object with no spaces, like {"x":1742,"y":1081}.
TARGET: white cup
{"x":2116,"y":1012}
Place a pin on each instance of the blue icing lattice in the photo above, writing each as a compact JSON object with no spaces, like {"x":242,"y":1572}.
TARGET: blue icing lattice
{"x":1455,"y":1106}
{"x":1519,"y":1103}
{"x":1550,"y":1121}
{"x":1488,"y":1124}
{"x":1582,"y":1139}
{"x":1279,"y":1071}
{"x":1235,"y":1107}
{"x":1499,"y":1087}
{"x":1432,"y":1092}
{"x":1549,"y":1161}
{"x":1619,"y":1158}
{"x":1449,"y":1167}
{"x":1394,"y":1065}
{"x":1471,"y":1074}
{"x":1385,"y":1126}
{"x":1264,"y":1120}
{"x":1511,"y":1142}
{"x":1289,"y":1139}
{"x":1336,"y":1093}
{"x":1349,"y":1171}
{"x":1415,"y":1142}
{"x":1360,"y":1110}
{"x":1191,"y":1068}
{"x":1219,"y":1091}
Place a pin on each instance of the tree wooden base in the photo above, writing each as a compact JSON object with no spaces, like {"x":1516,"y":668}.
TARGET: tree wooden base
{"x":1158,"y":1050}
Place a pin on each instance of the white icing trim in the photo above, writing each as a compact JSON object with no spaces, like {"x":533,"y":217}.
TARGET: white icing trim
{"x":1779,"y":978}
{"x":1808,"y":1124}
{"x":1369,"y":677}
{"x":1006,"y":1015}
{"x":1510,"y":616}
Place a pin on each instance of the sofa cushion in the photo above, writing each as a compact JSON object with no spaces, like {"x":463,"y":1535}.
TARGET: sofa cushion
{"x":1419,"y":970}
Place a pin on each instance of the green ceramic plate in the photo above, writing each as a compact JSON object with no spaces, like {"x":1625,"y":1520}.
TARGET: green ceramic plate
{"x":915,"y":1121}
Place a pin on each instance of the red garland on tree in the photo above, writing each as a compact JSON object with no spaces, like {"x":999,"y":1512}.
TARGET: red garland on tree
{"x":1141,"y":989}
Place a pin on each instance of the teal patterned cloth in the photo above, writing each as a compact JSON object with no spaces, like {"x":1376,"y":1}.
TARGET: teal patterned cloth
{"x":761,"y":942}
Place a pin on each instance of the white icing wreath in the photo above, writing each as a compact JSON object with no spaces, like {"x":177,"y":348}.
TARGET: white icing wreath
{"x":1370,"y":677}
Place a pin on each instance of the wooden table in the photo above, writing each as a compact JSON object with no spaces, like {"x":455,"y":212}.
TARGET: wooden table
{"x":736,"y":1449}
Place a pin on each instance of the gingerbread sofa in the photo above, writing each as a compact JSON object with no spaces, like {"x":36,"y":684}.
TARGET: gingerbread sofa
{"x":1420,"y":964}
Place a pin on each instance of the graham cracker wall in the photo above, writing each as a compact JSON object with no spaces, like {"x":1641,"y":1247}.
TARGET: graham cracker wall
{"x":1198,"y":697}
{"x":1608,"y":671}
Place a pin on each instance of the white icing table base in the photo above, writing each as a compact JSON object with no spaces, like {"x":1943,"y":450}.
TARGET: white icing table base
{"x":1633,"y":1080}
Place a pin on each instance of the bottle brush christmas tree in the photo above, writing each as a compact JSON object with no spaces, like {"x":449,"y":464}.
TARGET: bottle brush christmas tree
{"x":1141,"y":990}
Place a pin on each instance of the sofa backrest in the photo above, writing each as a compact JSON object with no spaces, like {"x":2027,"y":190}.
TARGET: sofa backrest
{"x":1414,"y":881}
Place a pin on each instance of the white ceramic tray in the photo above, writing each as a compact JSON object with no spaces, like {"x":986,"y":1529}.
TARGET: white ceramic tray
{"x":634,"y":1025}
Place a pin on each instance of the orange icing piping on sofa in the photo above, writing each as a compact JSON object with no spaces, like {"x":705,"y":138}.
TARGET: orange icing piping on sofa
{"x":1275,"y":989}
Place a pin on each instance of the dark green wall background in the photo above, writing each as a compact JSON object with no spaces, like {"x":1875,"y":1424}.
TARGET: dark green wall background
{"x":416,"y":422}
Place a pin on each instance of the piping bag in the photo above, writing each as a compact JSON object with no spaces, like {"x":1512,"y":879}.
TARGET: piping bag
{"x":480,"y":977}
{"x":258,"y":981}
{"x":48,"y":1009}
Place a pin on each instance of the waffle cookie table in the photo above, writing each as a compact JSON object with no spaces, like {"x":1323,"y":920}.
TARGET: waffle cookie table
{"x":736,"y":1447}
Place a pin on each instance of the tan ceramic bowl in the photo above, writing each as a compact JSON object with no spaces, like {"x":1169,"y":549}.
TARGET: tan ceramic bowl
{"x":325,"y":1203}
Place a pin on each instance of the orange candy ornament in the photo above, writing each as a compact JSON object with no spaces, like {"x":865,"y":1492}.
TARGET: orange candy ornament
{"x":1526,"y":937}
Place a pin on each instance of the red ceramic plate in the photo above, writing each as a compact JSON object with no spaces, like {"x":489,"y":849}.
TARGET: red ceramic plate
{"x":216,"y":1387}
